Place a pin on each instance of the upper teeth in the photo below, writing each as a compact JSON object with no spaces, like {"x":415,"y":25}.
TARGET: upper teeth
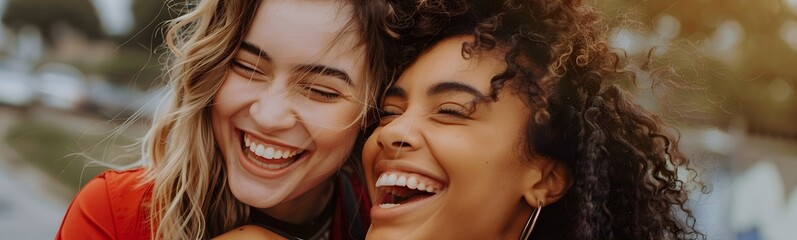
{"x":269,"y":151}
{"x":411,"y":182}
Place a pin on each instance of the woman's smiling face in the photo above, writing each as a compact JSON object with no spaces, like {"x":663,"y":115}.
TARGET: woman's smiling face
{"x":440,"y":166}
{"x":287,"y":115}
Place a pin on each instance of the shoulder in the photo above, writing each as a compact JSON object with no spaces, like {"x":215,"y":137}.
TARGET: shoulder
{"x":107,"y":206}
{"x":123,"y":189}
{"x":122,"y":176}
{"x":128,"y":183}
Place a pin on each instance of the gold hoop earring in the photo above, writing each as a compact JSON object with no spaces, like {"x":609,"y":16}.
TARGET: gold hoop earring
{"x":530,"y":222}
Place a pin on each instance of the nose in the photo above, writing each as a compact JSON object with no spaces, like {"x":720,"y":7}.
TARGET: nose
{"x":273,"y":112}
{"x":399,"y":136}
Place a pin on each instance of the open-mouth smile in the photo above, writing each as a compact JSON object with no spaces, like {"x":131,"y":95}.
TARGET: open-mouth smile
{"x":269,"y":156}
{"x":396,"y":188}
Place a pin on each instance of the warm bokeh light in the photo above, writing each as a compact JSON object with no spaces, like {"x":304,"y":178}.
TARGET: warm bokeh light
{"x":788,"y":31}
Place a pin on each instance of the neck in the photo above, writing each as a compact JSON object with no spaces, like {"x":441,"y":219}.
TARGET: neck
{"x":514,"y":229}
{"x":303,"y":208}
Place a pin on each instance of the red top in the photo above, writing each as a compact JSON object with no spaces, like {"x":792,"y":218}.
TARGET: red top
{"x":113,"y":206}
{"x":110,"y":206}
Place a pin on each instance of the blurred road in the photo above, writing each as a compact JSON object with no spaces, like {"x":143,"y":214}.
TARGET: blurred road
{"x":32,"y":204}
{"x":27,"y":212}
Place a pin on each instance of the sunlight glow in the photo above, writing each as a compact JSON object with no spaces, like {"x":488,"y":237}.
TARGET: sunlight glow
{"x":724,"y":42}
{"x":760,"y":201}
{"x":718,"y":141}
{"x":792,"y":4}
{"x":788,"y":32}
{"x":116,"y":15}
{"x":779,"y":90}
{"x":630,"y":41}
{"x":668,"y":27}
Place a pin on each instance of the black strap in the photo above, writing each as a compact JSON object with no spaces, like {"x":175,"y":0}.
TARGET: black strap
{"x":352,"y":208}
{"x":293,"y":231}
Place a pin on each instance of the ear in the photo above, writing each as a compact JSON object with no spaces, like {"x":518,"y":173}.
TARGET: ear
{"x":553,"y":181}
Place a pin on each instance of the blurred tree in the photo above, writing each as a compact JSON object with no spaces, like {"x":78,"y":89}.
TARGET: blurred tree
{"x":151,"y":16}
{"x":44,"y":14}
{"x":132,"y":59}
{"x":137,"y":63}
{"x":736,"y":51}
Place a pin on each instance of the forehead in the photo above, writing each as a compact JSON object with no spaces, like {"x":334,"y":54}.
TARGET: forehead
{"x":298,"y":18}
{"x":444,"y":62}
{"x":307,"y":31}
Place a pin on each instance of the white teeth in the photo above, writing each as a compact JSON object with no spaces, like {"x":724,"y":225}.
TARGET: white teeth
{"x":260,"y":150}
{"x":381,"y":181}
{"x":411,"y":182}
{"x":391,"y":179}
{"x":388,"y":205}
{"x":268,"y":152}
{"x":402,"y":181}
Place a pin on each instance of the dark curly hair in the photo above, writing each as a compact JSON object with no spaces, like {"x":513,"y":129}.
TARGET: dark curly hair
{"x":624,"y":160}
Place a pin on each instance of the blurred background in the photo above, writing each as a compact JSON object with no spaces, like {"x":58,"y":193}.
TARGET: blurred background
{"x":73,"y":71}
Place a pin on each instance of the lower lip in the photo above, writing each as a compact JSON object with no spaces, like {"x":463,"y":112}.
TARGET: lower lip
{"x":263,"y":172}
{"x":378,"y":213}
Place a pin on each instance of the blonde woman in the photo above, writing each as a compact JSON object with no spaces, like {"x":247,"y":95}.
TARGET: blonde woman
{"x":268,"y":99}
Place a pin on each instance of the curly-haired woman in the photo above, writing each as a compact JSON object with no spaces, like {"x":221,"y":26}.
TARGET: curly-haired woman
{"x":510,"y":123}
{"x":268,"y":98}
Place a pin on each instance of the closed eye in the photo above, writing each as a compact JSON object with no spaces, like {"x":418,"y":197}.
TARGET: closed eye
{"x":388,"y":113}
{"x":325,"y":94}
{"x":454,"y":110}
{"x":248,"y":71}
{"x":320,"y":93}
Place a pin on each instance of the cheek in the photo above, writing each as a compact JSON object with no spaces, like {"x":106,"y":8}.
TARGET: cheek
{"x":334,"y":130}
{"x":221,"y":110}
{"x":465,"y":153}
{"x":217,"y":124}
{"x":334,"y":148}
{"x":331,"y":124}
{"x":480,"y":165}
{"x":233,"y":96}
{"x":370,"y":152}
{"x":484,"y":189}
{"x":328,"y":117}
{"x":336,"y":143}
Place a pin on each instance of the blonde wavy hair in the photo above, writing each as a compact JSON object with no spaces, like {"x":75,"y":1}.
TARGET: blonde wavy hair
{"x":190,"y":196}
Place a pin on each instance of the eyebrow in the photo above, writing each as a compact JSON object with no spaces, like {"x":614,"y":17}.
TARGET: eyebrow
{"x":395,"y":92}
{"x":317,"y":69}
{"x":326,"y":70}
{"x":447,"y":87}
{"x":251,"y":48}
